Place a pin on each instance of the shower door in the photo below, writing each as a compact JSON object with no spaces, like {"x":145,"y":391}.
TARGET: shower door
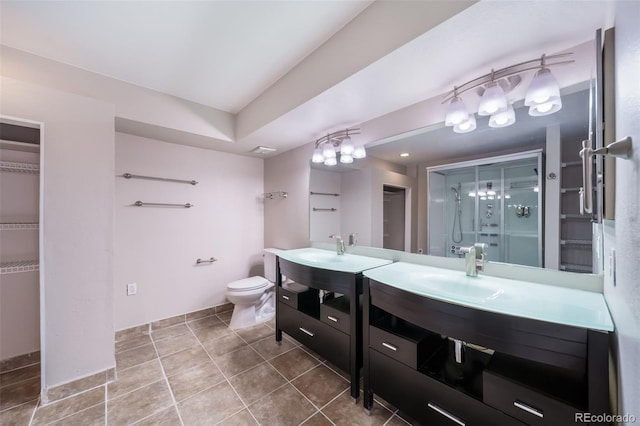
{"x":496,"y":201}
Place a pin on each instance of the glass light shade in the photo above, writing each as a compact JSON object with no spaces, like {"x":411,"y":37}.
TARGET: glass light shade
{"x":359,"y":151}
{"x":346,"y":147}
{"x":317,"y":156}
{"x":466,"y":126}
{"x":543,"y":89}
{"x":493,"y":100}
{"x":456,"y":112}
{"x":546,"y":108}
{"x":503,"y":119}
{"x":328,"y":151}
{"x":330,"y":161}
{"x":344,"y":158}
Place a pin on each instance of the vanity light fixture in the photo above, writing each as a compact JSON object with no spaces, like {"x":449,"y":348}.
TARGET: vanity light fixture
{"x":542,"y":96}
{"x":326,"y":147}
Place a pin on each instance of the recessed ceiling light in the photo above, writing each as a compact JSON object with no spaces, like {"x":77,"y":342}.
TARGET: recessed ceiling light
{"x":262,"y":150}
{"x":404,"y":154}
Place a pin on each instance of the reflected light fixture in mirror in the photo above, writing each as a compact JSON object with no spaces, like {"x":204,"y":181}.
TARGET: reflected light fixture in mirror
{"x":542,"y":96}
{"x":326,"y":147}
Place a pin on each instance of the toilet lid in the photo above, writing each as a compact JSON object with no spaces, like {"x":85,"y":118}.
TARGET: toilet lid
{"x":250,"y":283}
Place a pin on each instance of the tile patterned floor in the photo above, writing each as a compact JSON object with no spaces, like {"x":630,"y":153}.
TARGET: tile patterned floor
{"x":200,"y":373}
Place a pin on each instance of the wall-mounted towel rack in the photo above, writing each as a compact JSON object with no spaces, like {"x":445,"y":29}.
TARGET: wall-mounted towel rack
{"x":281,"y":194}
{"x":142,"y":204}
{"x":315,"y":209}
{"x":130,"y":176}
{"x":19,"y":266}
{"x":325,"y":193}
{"x":210,"y":260}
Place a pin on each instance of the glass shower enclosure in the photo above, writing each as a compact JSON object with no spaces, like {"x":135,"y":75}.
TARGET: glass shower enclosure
{"x":496,"y":200}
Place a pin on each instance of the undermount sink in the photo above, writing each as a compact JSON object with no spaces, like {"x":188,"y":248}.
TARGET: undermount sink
{"x":330,"y":260}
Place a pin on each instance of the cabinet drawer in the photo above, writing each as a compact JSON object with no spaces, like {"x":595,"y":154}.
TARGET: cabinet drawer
{"x":335,"y":312}
{"x":525,"y":403}
{"x":408,"y":350}
{"x":298,"y":296}
{"x":427,"y":400}
{"x":321,"y":338}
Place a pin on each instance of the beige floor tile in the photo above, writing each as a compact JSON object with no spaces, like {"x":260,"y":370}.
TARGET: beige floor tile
{"x":173,"y":331}
{"x":321,"y":385}
{"x":225,"y":344}
{"x":342,"y":411}
{"x":138,"y":404}
{"x":269,"y":348}
{"x":204,"y":322}
{"x":203,"y":313}
{"x":184,"y":360}
{"x":397,"y":421}
{"x":212,"y":332}
{"x":194,"y":380}
{"x":271,"y":323}
{"x":242,"y":418}
{"x":19,"y":393}
{"x":68,"y":406}
{"x":135,"y":377}
{"x":134,"y":342}
{"x":238,"y":361}
{"x":175,"y":344}
{"x":255,"y":383}
{"x":225,"y":316}
{"x":92,"y":416}
{"x":133,"y":332}
{"x":19,"y":375}
{"x":225,"y":307}
{"x":167,"y":322}
{"x":18,"y":416}
{"x":127,"y":359}
{"x":19,"y":361}
{"x":166,"y":417}
{"x":210,"y":406}
{"x":294,"y":363}
{"x":318,"y":419}
{"x":255,"y":333}
{"x":286,"y":406}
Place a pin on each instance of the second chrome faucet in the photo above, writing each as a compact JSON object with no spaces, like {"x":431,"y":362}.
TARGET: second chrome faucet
{"x":474,"y":257}
{"x":340,"y":247}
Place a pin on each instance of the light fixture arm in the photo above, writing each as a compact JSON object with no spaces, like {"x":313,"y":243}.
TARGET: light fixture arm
{"x":336,"y":138}
{"x":519,"y":68}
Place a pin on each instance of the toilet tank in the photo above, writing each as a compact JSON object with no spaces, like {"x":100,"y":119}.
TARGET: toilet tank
{"x":269,"y":260}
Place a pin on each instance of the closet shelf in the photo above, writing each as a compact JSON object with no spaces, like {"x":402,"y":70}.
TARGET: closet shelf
{"x":572,"y":163}
{"x":576,"y":242}
{"x":19,"y":266}
{"x":576,"y":268}
{"x":570,"y":216}
{"x":10,"y":166}
{"x":13,"y":226}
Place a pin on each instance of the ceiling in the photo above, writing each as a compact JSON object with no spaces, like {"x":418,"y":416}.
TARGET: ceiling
{"x":229,"y":54}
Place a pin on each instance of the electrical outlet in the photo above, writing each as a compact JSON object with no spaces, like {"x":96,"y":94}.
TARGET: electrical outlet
{"x":132,"y":289}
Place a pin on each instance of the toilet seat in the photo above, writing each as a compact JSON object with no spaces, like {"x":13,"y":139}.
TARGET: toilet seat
{"x":248,"y":284}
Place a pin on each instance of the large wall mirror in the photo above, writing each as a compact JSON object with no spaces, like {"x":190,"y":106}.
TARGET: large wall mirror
{"x":515,"y":188}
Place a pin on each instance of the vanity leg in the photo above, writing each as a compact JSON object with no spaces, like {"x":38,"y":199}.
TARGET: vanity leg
{"x":355,"y":339}
{"x":368,"y":402}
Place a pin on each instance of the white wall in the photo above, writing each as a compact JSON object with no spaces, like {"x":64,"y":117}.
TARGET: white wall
{"x":286,"y":220}
{"x":624,"y":298}
{"x":157,"y":247}
{"x":323,"y":223}
{"x":77,"y":227}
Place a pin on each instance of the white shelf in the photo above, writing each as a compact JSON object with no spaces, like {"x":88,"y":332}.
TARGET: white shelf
{"x":10,"y":166}
{"x":569,"y":216}
{"x":576,"y":268}
{"x":572,"y":163}
{"x":19,"y":266}
{"x":19,"y":226}
{"x":576,"y":242}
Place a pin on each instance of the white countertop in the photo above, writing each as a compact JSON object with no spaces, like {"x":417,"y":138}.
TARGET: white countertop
{"x":330,"y":260}
{"x":524,"y":299}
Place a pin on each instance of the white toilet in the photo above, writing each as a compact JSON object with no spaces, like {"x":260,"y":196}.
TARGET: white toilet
{"x":254,"y":297}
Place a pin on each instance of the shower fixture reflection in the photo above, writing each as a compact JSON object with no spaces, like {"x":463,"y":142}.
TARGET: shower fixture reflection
{"x":457,"y":218}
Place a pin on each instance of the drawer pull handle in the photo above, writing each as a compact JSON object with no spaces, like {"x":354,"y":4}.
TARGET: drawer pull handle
{"x":285,"y":297}
{"x":528,"y":409}
{"x":389,"y":346}
{"x":446,"y":414}
{"x":305,"y":331}
{"x":330,"y":318}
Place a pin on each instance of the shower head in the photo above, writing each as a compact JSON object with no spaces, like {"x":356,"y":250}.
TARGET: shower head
{"x":457,"y":192}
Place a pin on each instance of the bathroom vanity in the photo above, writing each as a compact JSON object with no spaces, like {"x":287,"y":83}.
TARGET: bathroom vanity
{"x":330,"y":326}
{"x":426,"y":338}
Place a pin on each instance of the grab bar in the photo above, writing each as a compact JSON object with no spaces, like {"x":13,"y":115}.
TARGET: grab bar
{"x":141,"y":204}
{"x":315,"y":209}
{"x":210,"y":260}
{"x":130,"y":176}
{"x":325,"y":193}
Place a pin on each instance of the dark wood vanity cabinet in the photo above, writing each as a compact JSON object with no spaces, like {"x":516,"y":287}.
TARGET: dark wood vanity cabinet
{"x":536,"y":373}
{"x":332,"y":329}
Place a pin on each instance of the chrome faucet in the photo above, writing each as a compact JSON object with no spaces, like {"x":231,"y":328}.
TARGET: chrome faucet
{"x":474,"y":257}
{"x":339,"y":243}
